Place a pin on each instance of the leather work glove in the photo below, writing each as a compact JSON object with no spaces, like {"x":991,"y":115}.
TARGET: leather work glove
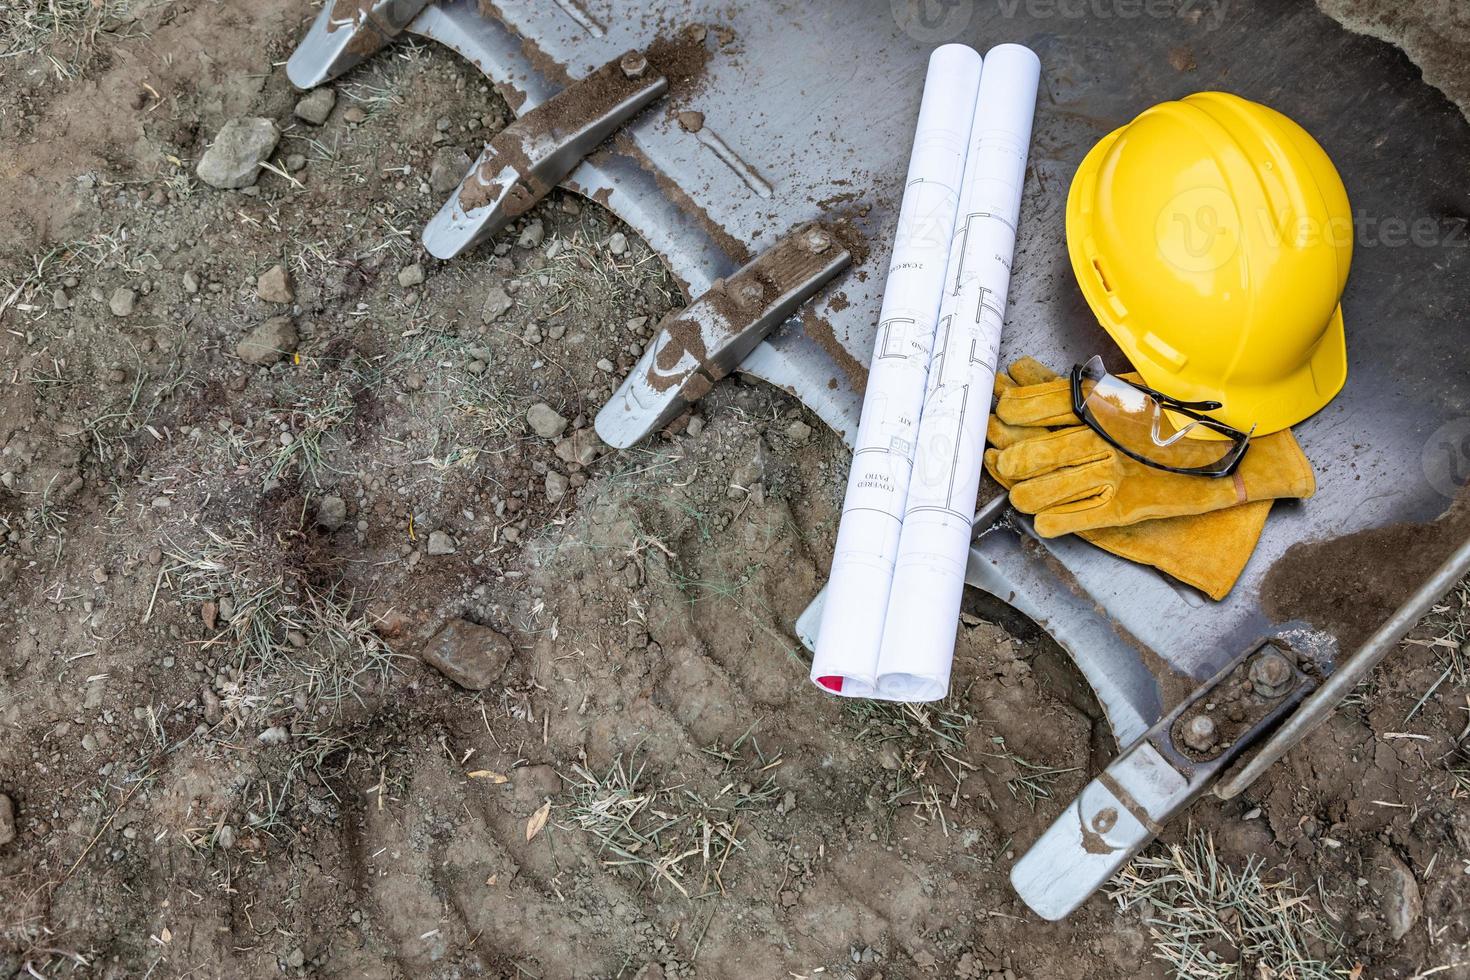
{"x":1072,"y":480}
{"x":1207,"y":551}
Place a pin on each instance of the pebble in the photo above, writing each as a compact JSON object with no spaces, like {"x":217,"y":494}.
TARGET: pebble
{"x":545,"y":421}
{"x":532,"y":235}
{"x":331,"y":513}
{"x":274,"y":285}
{"x":295,"y":162}
{"x":696,"y":425}
{"x":59,"y":299}
{"x":354,"y":115}
{"x":448,"y":168}
{"x":268,"y":342}
{"x":123,"y":301}
{"x":581,"y":447}
{"x":191,"y":282}
{"x":605,"y":366}
{"x":497,"y":301}
{"x":274,"y":735}
{"x":692,"y":121}
{"x":410,"y":275}
{"x":441,"y":543}
{"x":618,"y":243}
{"x":798,"y":432}
{"x":7,"y":820}
{"x":556,"y":486}
{"x":470,"y":655}
{"x":316,"y":106}
{"x":233,"y":160}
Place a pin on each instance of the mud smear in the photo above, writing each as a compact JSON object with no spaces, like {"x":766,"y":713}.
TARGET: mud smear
{"x":682,"y":59}
{"x":1351,"y":585}
{"x":821,"y":331}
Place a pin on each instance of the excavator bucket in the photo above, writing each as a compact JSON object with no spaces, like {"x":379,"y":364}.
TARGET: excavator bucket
{"x":767,"y":173}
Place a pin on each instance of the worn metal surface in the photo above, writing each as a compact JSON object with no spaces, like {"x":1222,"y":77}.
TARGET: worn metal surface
{"x":709,"y":338}
{"x":532,"y":155}
{"x":346,"y":33}
{"x":808,"y":115}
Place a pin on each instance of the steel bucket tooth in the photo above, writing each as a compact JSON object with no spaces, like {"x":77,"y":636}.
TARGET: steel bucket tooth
{"x":536,"y":152}
{"x":345,"y":34}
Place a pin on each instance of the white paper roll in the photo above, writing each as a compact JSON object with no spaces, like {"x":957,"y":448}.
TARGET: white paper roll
{"x":929,"y":575}
{"x":846,"y":657}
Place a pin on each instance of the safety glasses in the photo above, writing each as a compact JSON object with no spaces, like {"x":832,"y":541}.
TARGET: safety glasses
{"x":1154,"y":429}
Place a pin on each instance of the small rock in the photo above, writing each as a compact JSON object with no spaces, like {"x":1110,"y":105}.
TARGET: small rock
{"x":59,"y":299}
{"x":385,"y":619}
{"x":696,"y":425}
{"x":692,"y":121}
{"x":274,"y":285}
{"x":471,"y":655}
{"x":295,"y":162}
{"x":233,"y":160}
{"x":225,"y":838}
{"x":355,"y":115}
{"x":496,"y":303}
{"x":581,"y":447}
{"x":274,"y":735}
{"x":269,"y":342}
{"x":441,"y":543}
{"x":532,"y":235}
{"x":191,"y":282}
{"x":410,"y":275}
{"x":798,"y":432}
{"x":7,"y":820}
{"x":618,"y":243}
{"x":545,"y":421}
{"x":449,"y":166}
{"x":296,"y":959}
{"x":1397,"y":891}
{"x":331,"y":513}
{"x":316,"y":106}
{"x":556,"y":486}
{"x":788,"y":898}
{"x":605,"y":366}
{"x":123,"y":301}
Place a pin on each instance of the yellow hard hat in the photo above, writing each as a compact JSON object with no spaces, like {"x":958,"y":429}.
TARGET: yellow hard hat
{"x":1212,"y":238}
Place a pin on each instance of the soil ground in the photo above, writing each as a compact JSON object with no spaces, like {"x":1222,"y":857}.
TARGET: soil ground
{"x":225,"y":758}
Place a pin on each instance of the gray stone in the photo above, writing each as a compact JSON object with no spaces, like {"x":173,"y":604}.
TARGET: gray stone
{"x":233,"y":160}
{"x":545,"y":421}
{"x":581,"y":447}
{"x":7,"y":820}
{"x":496,"y":303}
{"x":123,"y":301}
{"x":798,"y":432}
{"x":441,"y":543}
{"x":268,"y":342}
{"x":191,"y":282}
{"x":532,"y":235}
{"x":316,"y":106}
{"x":471,"y":655}
{"x":274,"y":285}
{"x":410,"y":275}
{"x":448,"y":168}
{"x":556,"y":486}
{"x":1396,"y":890}
{"x":618,"y":243}
{"x":331,"y":513}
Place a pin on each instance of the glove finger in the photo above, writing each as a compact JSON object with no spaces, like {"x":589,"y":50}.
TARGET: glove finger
{"x":1053,"y":451}
{"x":1074,"y":487}
{"x":1048,"y":403}
{"x":1030,"y":371}
{"x":990,"y":457}
{"x":1003,"y":436}
{"x":1084,"y":514}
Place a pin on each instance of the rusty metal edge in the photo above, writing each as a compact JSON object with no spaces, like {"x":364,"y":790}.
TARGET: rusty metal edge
{"x":1322,"y":702}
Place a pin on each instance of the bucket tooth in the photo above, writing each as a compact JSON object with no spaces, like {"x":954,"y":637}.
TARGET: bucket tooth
{"x":709,"y":338}
{"x":531,"y":156}
{"x":346,"y":33}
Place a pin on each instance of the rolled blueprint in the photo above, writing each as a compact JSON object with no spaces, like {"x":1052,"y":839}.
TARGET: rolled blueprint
{"x":846,"y":658}
{"x":929,"y":574}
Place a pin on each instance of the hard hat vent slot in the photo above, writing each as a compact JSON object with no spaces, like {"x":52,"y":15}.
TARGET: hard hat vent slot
{"x":1102,"y":276}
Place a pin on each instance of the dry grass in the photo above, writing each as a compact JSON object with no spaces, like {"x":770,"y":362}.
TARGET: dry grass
{"x":65,"y":30}
{"x":1210,"y":921}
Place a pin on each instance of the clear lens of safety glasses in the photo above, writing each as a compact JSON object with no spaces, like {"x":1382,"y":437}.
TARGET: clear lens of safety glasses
{"x":1153,"y":428}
